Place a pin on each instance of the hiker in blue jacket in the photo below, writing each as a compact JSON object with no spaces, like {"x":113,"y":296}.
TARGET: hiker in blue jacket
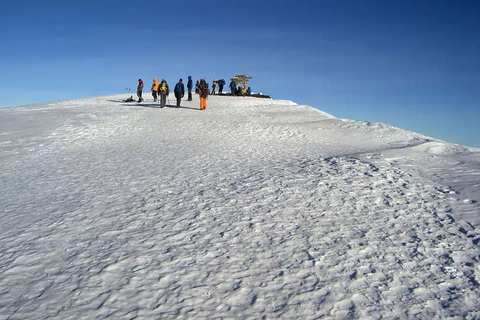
{"x":221,"y":83}
{"x":189,"y":87}
{"x":179,"y":92}
{"x":232,"y":86}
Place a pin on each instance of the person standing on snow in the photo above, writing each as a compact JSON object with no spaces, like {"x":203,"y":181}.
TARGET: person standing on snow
{"x":155,"y":89}
{"x":221,"y":83}
{"x":189,"y":87}
{"x":203,"y":92}
{"x":232,"y":86}
{"x":197,"y":87}
{"x":163,"y":90}
{"x":140,"y":90}
{"x":179,"y":91}
{"x":214,"y":86}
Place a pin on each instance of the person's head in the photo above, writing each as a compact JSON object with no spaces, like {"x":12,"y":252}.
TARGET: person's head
{"x":140,"y":80}
{"x":189,"y":77}
{"x":163,"y":80}
{"x":154,"y":79}
{"x":202,"y":80}
{"x":181,"y":80}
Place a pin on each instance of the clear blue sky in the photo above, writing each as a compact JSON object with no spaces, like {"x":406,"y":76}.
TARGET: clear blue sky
{"x":412,"y":63}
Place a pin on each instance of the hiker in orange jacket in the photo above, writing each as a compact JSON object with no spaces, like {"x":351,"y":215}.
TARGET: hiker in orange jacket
{"x":155,"y":89}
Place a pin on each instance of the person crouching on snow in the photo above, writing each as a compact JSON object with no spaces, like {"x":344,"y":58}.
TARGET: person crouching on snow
{"x":203,"y":88}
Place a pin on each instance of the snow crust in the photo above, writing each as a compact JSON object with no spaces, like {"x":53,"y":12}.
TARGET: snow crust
{"x":251,"y":209}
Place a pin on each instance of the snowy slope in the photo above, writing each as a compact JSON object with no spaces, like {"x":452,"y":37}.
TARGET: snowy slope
{"x":252,"y":208}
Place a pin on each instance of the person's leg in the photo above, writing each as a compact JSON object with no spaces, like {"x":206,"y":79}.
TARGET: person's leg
{"x":163,"y":100}
{"x":179,"y":98}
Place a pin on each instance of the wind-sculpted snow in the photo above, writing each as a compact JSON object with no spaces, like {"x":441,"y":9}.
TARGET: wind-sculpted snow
{"x":251,"y":209}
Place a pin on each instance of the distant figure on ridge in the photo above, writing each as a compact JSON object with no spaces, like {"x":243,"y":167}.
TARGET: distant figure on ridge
{"x":189,"y":87}
{"x":232,"y":86}
{"x":140,"y":90}
{"x":249,"y":91}
{"x":163,"y":90}
{"x":203,"y":92}
{"x":197,"y":87}
{"x":179,"y":91}
{"x":221,"y":83}
{"x":214,"y":86}
{"x":155,"y":89}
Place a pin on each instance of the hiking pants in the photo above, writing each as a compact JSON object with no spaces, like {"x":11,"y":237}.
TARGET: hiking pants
{"x":203,"y":103}
{"x":179,"y":98}
{"x":163,"y":100}
{"x":154,"y":94}
{"x":139,"y":95}
{"x":232,"y":91}
{"x":189,"y":94}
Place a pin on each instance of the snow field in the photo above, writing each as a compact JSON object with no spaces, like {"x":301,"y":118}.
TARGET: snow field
{"x":250,"y":208}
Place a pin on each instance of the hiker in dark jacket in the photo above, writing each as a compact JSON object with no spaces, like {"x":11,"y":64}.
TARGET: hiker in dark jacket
{"x":189,"y":87}
{"x":221,"y":83}
{"x":179,"y":92}
{"x":197,"y":87}
{"x":164,"y":91}
{"x":140,"y":90}
{"x":203,"y":92}
{"x":232,"y":86}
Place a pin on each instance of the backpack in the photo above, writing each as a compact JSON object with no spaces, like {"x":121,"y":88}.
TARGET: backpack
{"x":204,"y":88}
{"x":178,"y":87}
{"x":163,"y":87}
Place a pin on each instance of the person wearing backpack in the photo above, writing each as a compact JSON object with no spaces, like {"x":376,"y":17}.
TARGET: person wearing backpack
{"x":203,"y":92}
{"x":221,"y":83}
{"x":214,"y":86}
{"x":179,"y":91}
{"x":164,"y":91}
{"x":189,"y":87}
{"x":140,"y":90}
{"x":155,"y":89}
{"x":232,"y":86}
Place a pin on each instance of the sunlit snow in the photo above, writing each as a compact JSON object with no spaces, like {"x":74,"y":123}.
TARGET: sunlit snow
{"x":251,"y":209}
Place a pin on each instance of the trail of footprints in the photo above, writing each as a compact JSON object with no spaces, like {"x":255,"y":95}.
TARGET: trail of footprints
{"x":335,"y":238}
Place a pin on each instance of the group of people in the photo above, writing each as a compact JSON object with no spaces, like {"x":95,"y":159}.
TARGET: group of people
{"x":161,"y":90}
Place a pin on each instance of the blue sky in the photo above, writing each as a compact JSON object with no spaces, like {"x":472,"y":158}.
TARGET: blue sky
{"x":411,"y":64}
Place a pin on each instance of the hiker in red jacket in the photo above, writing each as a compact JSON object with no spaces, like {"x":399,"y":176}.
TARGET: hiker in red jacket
{"x":140,"y":90}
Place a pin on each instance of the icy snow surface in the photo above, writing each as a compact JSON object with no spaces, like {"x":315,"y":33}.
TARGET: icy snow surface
{"x":251,"y":209}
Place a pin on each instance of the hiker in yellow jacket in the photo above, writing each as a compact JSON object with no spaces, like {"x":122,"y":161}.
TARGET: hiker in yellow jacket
{"x":155,"y":89}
